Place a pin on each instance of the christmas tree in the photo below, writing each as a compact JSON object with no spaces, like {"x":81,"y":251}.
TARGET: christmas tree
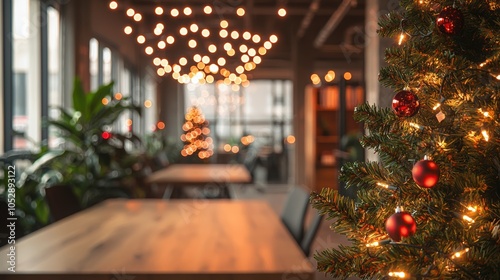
{"x":196,"y":139}
{"x":429,"y":207}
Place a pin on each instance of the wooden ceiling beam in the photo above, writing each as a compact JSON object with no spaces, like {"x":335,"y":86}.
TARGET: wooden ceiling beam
{"x":306,"y":21}
{"x":333,"y":22}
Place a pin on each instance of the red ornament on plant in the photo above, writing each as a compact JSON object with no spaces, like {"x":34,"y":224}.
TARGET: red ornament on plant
{"x":450,"y":21}
{"x":425,"y":173}
{"x":106,"y":135}
{"x":400,"y":224}
{"x":405,"y":103}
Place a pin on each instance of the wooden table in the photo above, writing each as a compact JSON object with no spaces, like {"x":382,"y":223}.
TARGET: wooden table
{"x":162,"y":239}
{"x":211,"y":177}
{"x":198,"y":174}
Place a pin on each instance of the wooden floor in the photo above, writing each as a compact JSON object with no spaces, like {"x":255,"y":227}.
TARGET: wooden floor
{"x":275,"y":195}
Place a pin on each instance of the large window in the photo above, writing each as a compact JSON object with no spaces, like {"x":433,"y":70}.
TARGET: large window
{"x":55,"y":98}
{"x":107,"y":65}
{"x":26,"y":74}
{"x":34,"y":69}
{"x":32,"y":42}
{"x":262,"y":110}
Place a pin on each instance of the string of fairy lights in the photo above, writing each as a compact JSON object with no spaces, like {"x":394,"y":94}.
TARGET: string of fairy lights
{"x":426,"y":172}
{"x":223,"y":53}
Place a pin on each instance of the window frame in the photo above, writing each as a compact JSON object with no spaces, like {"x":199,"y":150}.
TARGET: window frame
{"x":8,"y":76}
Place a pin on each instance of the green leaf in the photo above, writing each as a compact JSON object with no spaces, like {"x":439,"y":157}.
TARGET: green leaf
{"x":95,"y":102}
{"x":42,"y":211}
{"x":38,"y":164}
{"x":79,"y":100}
{"x":65,"y":126}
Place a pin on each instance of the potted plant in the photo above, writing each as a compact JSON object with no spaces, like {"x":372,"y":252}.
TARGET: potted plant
{"x":92,"y":161}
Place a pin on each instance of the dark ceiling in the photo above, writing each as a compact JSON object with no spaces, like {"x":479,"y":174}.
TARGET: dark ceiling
{"x":333,"y":29}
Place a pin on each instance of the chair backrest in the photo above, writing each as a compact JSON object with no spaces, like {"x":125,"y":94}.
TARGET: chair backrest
{"x":310,"y":234}
{"x":62,"y":201}
{"x":294,"y":212}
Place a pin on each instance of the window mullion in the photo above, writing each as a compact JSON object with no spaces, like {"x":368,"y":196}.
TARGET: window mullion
{"x":8,"y":79}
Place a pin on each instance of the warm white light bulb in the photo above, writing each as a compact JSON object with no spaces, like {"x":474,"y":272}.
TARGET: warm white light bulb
{"x":194,"y":27}
{"x":398,"y":274}
{"x":141,"y":39}
{"x":468,"y":219}
{"x":240,"y":12}
{"x":205,"y":33}
{"x":130,"y":12}
{"x":159,"y":11}
{"x":262,"y":51}
{"x":207,"y":10}
{"x":257,"y":59}
{"x":485,"y":135}
{"x":197,"y":58}
{"x":256,"y":38}
{"x":235,"y":35}
{"x":214,"y":68}
{"x":245,"y":58}
{"x":282,"y":12}
{"x":113,"y":5}
{"x":252,"y":52}
{"x":183,"y":61}
{"x":170,"y":40}
{"x":128,"y":30}
{"x":212,"y":48}
{"x":221,"y":61}
{"x":243,"y":48}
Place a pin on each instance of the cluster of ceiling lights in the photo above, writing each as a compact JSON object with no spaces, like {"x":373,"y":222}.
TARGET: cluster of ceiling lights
{"x":222,"y":54}
{"x":329,"y":77}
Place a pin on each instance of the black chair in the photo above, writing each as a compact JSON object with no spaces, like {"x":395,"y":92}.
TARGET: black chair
{"x":4,"y":230}
{"x":310,"y":234}
{"x":62,"y":201}
{"x":294,"y":212}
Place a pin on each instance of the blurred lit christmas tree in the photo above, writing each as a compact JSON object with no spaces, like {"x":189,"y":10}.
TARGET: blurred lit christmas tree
{"x":436,"y":217}
{"x":196,"y":139}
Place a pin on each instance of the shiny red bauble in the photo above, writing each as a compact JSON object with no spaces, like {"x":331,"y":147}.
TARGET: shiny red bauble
{"x":405,"y":104}
{"x":450,"y":21}
{"x":400,"y":224}
{"x":425,"y":173}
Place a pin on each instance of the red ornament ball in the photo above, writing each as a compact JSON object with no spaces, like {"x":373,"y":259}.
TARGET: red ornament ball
{"x":425,"y":173}
{"x":400,"y":224}
{"x":405,"y":103}
{"x":450,"y":21}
